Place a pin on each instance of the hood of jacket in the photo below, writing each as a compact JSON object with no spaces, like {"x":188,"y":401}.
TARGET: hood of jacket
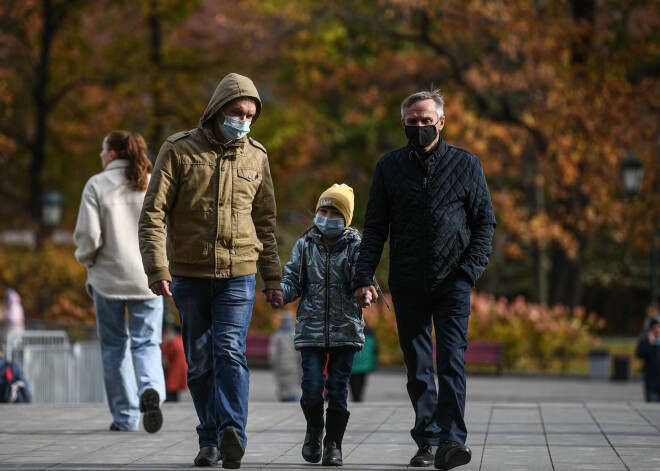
{"x":230,"y":87}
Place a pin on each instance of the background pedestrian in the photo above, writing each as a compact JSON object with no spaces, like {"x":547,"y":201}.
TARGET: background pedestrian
{"x":284,"y":360}
{"x":365,"y":362}
{"x":106,"y":237}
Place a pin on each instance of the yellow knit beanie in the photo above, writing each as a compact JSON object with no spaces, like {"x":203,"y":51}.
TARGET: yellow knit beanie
{"x":339,"y":196}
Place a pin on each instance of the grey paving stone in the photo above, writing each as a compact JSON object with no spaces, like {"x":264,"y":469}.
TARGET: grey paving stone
{"x":514,"y":424}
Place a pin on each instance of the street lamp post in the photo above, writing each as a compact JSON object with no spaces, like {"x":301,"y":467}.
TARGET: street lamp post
{"x":633,"y":173}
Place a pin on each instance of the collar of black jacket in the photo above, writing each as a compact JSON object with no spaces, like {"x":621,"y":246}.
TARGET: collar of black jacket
{"x":438,"y":151}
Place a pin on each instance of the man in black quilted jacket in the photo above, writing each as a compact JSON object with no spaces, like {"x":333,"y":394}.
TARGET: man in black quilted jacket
{"x":432,"y":200}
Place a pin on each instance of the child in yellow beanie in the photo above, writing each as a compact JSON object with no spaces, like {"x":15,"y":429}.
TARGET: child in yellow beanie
{"x":329,"y":323}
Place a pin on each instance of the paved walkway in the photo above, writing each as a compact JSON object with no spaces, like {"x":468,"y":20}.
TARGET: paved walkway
{"x":514,"y":424}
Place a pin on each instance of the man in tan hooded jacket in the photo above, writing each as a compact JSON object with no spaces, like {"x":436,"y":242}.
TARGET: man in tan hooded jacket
{"x":207,"y":224}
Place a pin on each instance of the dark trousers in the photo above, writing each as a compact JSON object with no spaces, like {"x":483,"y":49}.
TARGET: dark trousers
{"x":653,"y":394}
{"x":339,"y":363}
{"x":439,"y":414}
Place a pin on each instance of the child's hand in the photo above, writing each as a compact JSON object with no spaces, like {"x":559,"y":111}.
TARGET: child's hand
{"x":360,"y":296}
{"x":367,"y":298}
{"x":275,"y":298}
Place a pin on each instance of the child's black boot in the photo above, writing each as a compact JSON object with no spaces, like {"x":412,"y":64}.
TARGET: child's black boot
{"x":335,"y":426}
{"x":311,"y":450}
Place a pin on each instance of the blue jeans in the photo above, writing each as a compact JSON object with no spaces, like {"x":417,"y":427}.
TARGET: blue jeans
{"x":215,"y":315}
{"x":340,"y":364}
{"x":439,"y":415}
{"x":143,"y":336}
{"x":652,"y":394}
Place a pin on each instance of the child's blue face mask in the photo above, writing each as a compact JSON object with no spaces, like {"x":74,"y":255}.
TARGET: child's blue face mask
{"x":329,"y":227}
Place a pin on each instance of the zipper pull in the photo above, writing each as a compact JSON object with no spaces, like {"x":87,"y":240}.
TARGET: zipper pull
{"x":424,"y":183}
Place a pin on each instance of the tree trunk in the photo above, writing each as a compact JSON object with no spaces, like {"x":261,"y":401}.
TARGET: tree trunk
{"x":567,"y":276}
{"x":42,"y":108}
{"x":155,"y":134}
{"x":567,"y":273}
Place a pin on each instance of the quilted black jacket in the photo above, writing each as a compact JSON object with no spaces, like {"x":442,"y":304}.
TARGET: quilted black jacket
{"x":438,"y":214}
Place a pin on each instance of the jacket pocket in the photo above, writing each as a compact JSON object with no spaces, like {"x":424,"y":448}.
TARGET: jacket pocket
{"x":246,"y":245}
{"x":191,"y":237}
{"x":252,"y":175}
{"x":246,"y":184}
{"x":305,"y":309}
{"x":246,"y":233}
{"x":462,"y":240}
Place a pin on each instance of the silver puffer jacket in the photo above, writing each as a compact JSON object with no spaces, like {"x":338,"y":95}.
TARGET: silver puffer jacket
{"x":322,"y":275}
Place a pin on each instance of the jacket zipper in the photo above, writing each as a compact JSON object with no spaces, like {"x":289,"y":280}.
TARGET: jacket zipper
{"x":327,"y":297}
{"x":424,"y":198}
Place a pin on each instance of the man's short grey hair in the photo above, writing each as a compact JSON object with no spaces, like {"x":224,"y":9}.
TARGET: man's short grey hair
{"x":434,"y":95}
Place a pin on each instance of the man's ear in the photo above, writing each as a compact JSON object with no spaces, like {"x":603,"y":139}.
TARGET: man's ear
{"x":441,"y":124}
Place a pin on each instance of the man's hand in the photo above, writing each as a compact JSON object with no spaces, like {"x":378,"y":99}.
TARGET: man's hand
{"x":361,"y":295}
{"x":652,"y":337}
{"x":161,"y":288}
{"x":275,"y":297}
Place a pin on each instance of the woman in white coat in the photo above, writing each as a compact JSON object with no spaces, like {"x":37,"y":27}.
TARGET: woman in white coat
{"x":106,"y":237}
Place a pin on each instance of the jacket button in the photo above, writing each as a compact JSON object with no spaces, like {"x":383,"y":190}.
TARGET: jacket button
{"x":249,"y":177}
{"x":223,"y":169}
{"x":220,"y":203}
{"x":185,"y":133}
{"x":217,"y":272}
{"x":219,"y":238}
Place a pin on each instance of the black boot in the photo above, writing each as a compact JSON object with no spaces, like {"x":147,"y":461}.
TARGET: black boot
{"x":335,"y":426}
{"x":311,"y":450}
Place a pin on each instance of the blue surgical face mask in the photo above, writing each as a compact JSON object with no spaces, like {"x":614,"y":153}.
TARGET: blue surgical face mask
{"x":233,"y":128}
{"x":329,"y":227}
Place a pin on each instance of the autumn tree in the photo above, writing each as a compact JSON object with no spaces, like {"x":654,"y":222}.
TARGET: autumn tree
{"x":546,"y":93}
{"x":71,"y":71}
{"x":31,"y":31}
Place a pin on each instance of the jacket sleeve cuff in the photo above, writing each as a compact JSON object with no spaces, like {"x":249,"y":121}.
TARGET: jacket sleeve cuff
{"x":160,"y":273}
{"x":273,"y":284}
{"x":361,"y":283}
{"x":463,"y":270}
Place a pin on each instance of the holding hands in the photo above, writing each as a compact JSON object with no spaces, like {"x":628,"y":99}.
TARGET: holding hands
{"x":365,"y":296}
{"x":275,"y":297}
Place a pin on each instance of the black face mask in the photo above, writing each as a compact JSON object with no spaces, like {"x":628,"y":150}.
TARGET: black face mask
{"x":421,"y":136}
